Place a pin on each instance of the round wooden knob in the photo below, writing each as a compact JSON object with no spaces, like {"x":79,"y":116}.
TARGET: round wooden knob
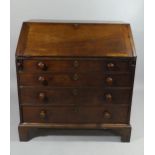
{"x":42,"y":80}
{"x":75,"y":77}
{"x":75,"y":92}
{"x":110,"y":65}
{"x":42,"y":115}
{"x":19,"y":65}
{"x":107,"y":115}
{"x":109,"y":80}
{"x":76,"y":64}
{"x":76,"y":25}
{"x":108,"y":97}
{"x":42,"y":96}
{"x":42,"y":66}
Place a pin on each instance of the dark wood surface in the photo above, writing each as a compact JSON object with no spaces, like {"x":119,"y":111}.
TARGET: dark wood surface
{"x":76,"y":65}
{"x":75,"y":80}
{"x":75,"y":76}
{"x":74,"y":96}
{"x":76,"y":114}
{"x":57,"y":39}
{"x":25,"y":129}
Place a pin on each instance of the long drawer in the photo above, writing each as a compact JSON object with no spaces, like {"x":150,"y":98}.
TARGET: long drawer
{"x":80,"y":96}
{"x":74,"y":65}
{"x":72,"y":114}
{"x":75,"y":79}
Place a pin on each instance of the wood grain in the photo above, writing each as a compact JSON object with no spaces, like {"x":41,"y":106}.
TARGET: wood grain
{"x":60,"y":39}
{"x":76,"y":114}
{"x":73,"y":96}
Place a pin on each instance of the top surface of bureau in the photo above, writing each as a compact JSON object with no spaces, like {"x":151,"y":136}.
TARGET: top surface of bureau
{"x":72,"y":40}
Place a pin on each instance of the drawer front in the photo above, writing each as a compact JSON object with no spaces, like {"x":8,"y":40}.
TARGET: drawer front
{"x":75,"y":65}
{"x":75,"y":79}
{"x":68,"y":96}
{"x":106,"y":114}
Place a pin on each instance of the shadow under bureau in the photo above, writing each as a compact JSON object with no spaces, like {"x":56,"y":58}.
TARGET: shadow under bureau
{"x":75,"y":76}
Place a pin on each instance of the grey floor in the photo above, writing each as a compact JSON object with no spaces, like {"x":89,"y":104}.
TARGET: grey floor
{"x":80,"y":145}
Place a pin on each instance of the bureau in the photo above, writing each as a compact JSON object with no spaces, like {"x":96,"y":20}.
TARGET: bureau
{"x":75,"y":76}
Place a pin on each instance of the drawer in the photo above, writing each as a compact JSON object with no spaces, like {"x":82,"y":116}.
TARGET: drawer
{"x":74,"y":65}
{"x":73,"y":96}
{"x":106,"y":114}
{"x":75,"y":79}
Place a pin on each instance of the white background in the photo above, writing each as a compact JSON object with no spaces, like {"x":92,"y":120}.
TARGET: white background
{"x":130,"y":11}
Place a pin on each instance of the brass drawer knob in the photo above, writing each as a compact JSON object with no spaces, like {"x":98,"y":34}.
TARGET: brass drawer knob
{"x":75,"y":92}
{"x":42,"y":115}
{"x":43,"y":80}
{"x":110,"y":65}
{"x":42,"y":66}
{"x":76,"y":64}
{"x":109,"y":80}
{"x":108,"y":97}
{"x":42,"y":96}
{"x":75,"y":77}
{"x":106,"y":115}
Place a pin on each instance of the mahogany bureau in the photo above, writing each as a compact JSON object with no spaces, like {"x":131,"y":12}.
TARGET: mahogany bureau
{"x":75,"y":76}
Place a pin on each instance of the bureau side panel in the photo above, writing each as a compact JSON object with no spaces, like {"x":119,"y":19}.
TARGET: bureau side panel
{"x":19,"y":66}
